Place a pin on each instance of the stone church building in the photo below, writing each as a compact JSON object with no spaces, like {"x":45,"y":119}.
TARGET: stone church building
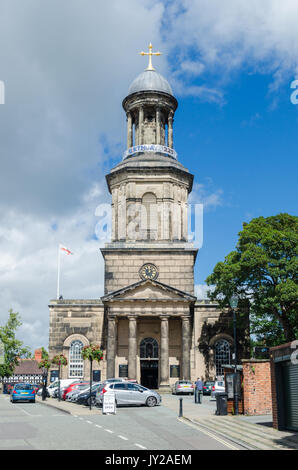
{"x":149,"y":322}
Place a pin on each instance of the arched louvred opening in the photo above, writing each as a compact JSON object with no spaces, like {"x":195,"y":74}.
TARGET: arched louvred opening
{"x":149,"y":217}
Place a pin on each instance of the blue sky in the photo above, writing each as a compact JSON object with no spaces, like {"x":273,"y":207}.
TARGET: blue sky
{"x":247,"y":148}
{"x":67,"y":66}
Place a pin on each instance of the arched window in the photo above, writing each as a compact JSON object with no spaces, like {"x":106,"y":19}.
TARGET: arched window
{"x":222,"y":355}
{"x":148,"y":348}
{"x":76,"y":363}
{"x":149,"y":216}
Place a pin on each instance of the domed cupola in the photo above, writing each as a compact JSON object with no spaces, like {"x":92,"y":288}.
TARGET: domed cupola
{"x":150,"y":106}
{"x":150,"y":80}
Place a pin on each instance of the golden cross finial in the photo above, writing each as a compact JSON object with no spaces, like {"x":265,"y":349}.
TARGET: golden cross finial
{"x":150,"y":54}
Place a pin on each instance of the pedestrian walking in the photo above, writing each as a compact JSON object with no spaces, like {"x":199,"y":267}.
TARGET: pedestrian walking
{"x":199,"y":390}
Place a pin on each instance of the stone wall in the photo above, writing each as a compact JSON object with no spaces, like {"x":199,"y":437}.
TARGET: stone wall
{"x":175,"y":269}
{"x":75,"y":319}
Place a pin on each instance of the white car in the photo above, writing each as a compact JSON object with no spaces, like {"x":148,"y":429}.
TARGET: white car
{"x":219,"y":386}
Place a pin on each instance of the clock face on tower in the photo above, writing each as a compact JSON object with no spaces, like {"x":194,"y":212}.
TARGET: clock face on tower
{"x":148,"y":271}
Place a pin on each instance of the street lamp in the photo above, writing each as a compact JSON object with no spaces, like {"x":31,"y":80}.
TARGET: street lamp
{"x":233,"y":304}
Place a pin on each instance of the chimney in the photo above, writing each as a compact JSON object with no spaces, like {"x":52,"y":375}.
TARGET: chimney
{"x":38,"y":354}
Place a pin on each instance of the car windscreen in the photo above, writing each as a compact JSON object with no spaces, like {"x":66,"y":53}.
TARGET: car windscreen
{"x":209,"y":383}
{"x":24,"y":387}
{"x":220,"y":384}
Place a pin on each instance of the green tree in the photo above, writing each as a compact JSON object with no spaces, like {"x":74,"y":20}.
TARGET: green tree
{"x":13,"y":348}
{"x":44,"y":353}
{"x":263,"y":271}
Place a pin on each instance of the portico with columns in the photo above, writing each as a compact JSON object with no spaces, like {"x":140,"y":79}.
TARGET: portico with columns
{"x":149,"y":309}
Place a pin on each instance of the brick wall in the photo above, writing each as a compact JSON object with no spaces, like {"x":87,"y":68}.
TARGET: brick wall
{"x":257,"y":387}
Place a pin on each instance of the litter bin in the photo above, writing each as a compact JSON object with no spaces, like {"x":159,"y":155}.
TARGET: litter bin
{"x":221,"y":404}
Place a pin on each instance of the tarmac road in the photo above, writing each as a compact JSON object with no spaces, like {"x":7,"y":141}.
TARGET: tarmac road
{"x":40,"y":427}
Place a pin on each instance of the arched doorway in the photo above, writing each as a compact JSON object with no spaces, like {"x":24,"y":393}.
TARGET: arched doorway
{"x":149,"y":363}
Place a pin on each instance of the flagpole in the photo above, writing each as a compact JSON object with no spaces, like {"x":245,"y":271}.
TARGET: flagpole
{"x":58,"y":275}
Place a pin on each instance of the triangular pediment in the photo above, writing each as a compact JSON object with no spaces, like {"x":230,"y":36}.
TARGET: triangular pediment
{"x":149,"y":290}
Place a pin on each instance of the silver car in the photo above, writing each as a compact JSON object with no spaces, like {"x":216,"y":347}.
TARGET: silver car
{"x":219,"y":386}
{"x":129,"y":394}
{"x":183,"y":386}
{"x":73,"y":395}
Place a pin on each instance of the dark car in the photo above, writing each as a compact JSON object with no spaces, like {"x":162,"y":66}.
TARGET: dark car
{"x":84,"y":397}
{"x":207,"y":388}
{"x":23,"y":392}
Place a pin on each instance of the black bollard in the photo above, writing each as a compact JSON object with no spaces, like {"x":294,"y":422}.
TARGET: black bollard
{"x":180,"y":408}
{"x":196,"y":395}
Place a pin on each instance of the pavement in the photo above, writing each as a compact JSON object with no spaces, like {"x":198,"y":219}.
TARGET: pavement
{"x":250,"y":432}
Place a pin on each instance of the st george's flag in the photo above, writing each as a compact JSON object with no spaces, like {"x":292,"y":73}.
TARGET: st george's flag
{"x":65,"y":250}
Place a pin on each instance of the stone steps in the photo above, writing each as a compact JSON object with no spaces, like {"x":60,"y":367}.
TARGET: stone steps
{"x":247,"y":433}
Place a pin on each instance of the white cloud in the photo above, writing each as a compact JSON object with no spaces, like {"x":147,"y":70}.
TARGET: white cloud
{"x":66,"y":68}
{"x":206,"y":194}
{"x":201,"y":291}
{"x":227,"y":36}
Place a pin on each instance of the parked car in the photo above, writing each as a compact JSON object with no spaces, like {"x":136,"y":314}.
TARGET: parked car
{"x":71,"y":396}
{"x":64,"y":383}
{"x":129,"y":394}
{"x":219,"y":386}
{"x":23,"y":392}
{"x":108,"y":381}
{"x":183,"y":386}
{"x":52,"y":387}
{"x":39,"y":392}
{"x":207,"y":387}
{"x":84,"y":397}
{"x":72,"y":387}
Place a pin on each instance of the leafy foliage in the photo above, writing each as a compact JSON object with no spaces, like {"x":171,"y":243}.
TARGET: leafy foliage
{"x":59,"y":360}
{"x":44,"y":364}
{"x":14,"y":349}
{"x":92,"y":352}
{"x":263,"y":270}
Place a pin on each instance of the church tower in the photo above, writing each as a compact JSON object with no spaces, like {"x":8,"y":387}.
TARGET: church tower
{"x":149,"y":263}
{"x":148,"y":322}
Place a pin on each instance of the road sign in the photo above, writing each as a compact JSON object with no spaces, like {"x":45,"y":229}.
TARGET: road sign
{"x":109,"y":403}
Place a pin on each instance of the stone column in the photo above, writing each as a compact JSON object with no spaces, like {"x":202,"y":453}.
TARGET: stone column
{"x":111,"y":347}
{"x":129,"y":130}
{"x":132,"y":347}
{"x":141,"y":120}
{"x":170,"y":130}
{"x":158,"y":128}
{"x":185,"y":348}
{"x":164,"y":352}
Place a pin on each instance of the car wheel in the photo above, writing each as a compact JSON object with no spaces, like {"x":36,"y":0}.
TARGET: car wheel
{"x":93,"y":401}
{"x":151,"y":401}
